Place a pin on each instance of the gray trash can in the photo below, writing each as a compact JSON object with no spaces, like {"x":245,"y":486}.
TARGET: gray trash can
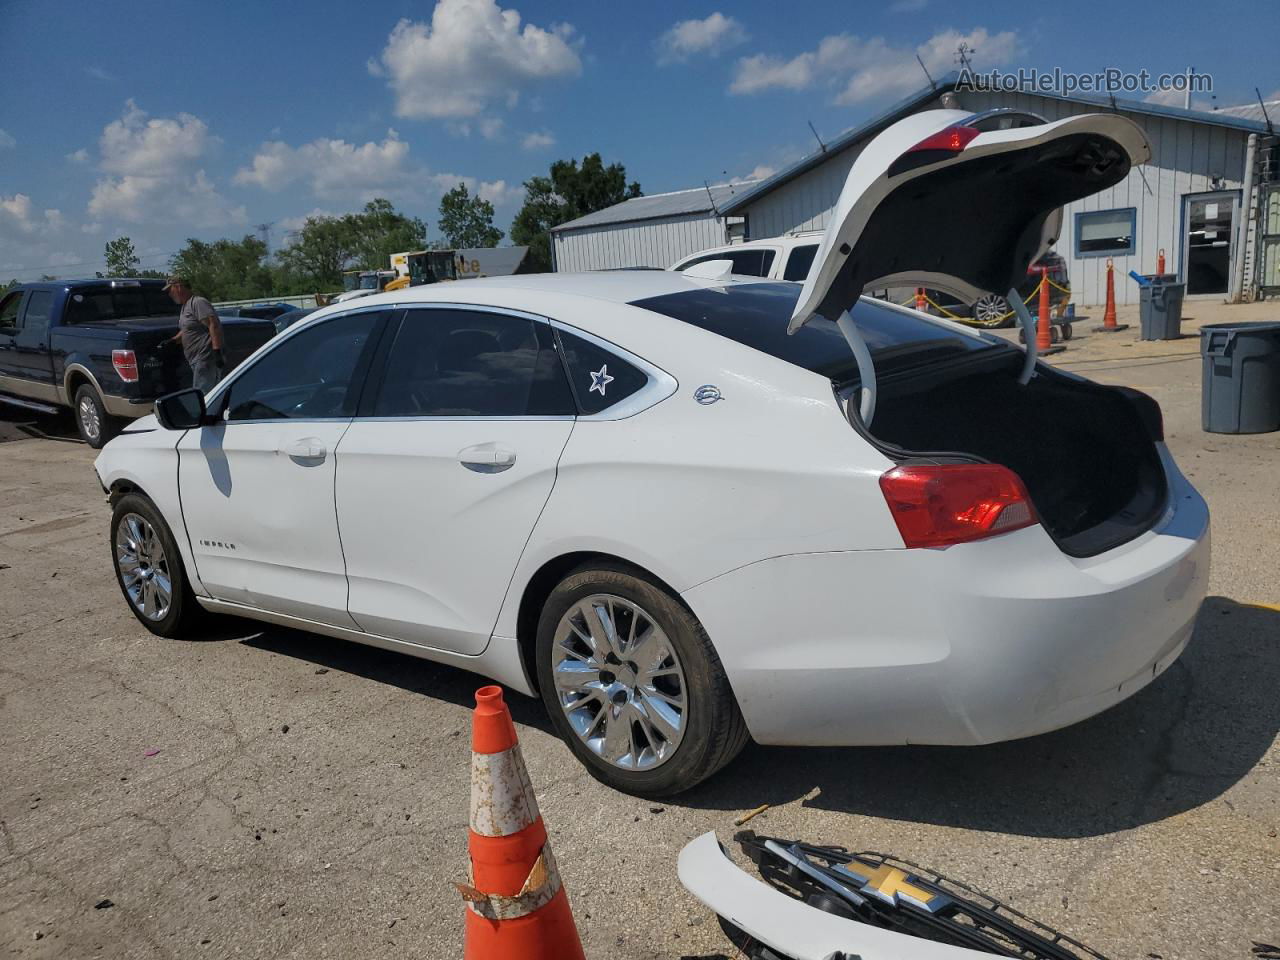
{"x":1160,"y":307}
{"x":1241,"y":388}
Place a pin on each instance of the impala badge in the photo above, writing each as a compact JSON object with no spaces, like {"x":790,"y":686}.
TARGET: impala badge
{"x":707,"y":394}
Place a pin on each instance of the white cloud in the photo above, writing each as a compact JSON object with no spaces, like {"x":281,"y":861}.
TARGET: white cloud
{"x":6,"y":141}
{"x":336,"y":171}
{"x":332,"y":167}
{"x":867,"y":69}
{"x":80,"y":156}
{"x":99,"y":74}
{"x":19,"y":216}
{"x":764,"y":72}
{"x":712,"y":36}
{"x":137,"y":146}
{"x":761,"y":171}
{"x":538,"y":140}
{"x":488,"y":127}
{"x":155,"y":172}
{"x":1167,"y":98}
{"x":471,"y":54}
{"x":907,"y":6}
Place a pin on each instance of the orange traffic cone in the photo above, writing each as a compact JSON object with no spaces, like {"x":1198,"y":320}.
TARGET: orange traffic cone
{"x":1044,"y":331}
{"x":516,"y":906}
{"x":1109,"y":324}
{"x":921,"y":303}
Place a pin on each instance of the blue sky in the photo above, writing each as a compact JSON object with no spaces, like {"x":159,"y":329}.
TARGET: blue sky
{"x":175,"y":119}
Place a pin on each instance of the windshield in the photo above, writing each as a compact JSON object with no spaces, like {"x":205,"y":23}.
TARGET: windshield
{"x":107,"y":303}
{"x":756,"y":315}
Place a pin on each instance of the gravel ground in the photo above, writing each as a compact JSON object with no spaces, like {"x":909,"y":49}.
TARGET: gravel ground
{"x":259,"y":792}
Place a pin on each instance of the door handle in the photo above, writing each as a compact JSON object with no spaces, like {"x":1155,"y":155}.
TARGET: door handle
{"x":487,"y":458}
{"x":306,"y":449}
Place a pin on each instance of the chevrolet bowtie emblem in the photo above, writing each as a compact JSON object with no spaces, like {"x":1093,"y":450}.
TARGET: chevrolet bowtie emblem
{"x":892,"y":886}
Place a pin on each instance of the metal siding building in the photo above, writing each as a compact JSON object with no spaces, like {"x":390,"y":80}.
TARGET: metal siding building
{"x":652,"y":231}
{"x":1193,"y":154}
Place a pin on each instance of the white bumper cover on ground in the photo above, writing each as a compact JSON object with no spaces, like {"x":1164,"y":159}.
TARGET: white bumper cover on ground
{"x":976,"y":643}
{"x":787,"y":925}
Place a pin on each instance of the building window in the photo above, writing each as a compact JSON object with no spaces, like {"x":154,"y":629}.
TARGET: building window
{"x":1106,"y":233}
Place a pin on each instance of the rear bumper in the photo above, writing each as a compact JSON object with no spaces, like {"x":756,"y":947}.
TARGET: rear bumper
{"x":124,"y":407}
{"x":989,"y":641}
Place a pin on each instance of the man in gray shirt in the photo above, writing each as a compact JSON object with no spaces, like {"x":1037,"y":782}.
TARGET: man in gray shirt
{"x":200,"y":332}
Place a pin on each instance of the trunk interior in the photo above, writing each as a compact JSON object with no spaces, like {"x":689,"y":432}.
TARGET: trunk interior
{"x":1084,"y":451}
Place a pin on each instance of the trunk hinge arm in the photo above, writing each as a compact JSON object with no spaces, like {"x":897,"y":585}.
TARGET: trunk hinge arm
{"x":866,"y":369}
{"x":1028,"y":326}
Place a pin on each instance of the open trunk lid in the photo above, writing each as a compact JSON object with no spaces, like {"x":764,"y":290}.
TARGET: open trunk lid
{"x":934,"y":201}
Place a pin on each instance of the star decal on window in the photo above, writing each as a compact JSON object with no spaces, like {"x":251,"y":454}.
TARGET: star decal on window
{"x":600,"y":379}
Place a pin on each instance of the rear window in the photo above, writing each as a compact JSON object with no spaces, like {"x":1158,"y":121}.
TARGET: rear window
{"x":756,"y":315}
{"x":107,"y":303}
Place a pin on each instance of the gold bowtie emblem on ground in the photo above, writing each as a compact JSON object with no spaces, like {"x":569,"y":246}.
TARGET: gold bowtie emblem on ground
{"x":888,"y":883}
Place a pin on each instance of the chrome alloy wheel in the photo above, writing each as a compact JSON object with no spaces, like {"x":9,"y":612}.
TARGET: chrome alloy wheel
{"x":90,"y":421}
{"x":619,"y":682}
{"x":990,"y":310}
{"x":144,"y":569}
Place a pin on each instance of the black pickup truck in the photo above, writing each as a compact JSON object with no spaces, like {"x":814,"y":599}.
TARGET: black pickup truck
{"x":98,"y":347}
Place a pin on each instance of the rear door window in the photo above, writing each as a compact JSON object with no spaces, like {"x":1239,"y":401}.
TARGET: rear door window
{"x":35,"y":319}
{"x":599,"y":376}
{"x":463,"y":363}
{"x":799,"y":262}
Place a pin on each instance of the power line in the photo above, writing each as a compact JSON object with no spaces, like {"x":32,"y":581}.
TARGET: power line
{"x":62,"y":266}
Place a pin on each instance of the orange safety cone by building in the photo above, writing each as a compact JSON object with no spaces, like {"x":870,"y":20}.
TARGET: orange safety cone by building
{"x":1044,"y":330}
{"x":517,"y":908}
{"x":921,"y":303}
{"x":1109,"y":324}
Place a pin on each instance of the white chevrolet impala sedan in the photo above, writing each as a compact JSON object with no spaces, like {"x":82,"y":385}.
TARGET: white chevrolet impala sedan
{"x":691,"y":509}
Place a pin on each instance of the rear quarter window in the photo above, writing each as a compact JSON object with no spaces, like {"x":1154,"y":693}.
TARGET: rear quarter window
{"x":599,"y":377}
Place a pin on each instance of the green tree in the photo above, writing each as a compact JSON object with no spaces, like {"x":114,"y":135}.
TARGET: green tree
{"x":225,"y":269}
{"x":316,"y":256}
{"x":568,"y":193}
{"x":325,"y":246}
{"x":121,"y":259}
{"x":466,"y":220}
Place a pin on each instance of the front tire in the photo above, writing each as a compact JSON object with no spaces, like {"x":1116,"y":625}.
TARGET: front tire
{"x":93,"y":423}
{"x":633,"y":684}
{"x":149,"y":569}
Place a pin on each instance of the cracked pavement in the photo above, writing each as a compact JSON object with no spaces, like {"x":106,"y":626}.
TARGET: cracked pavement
{"x":258,"y":792}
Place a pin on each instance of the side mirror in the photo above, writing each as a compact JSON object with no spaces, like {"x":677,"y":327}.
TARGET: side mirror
{"x":183,"y":410}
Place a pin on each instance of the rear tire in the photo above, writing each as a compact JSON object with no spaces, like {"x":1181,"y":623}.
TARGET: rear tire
{"x":992,"y":311}
{"x":657,"y":684}
{"x":95,"y":426}
{"x":149,"y":569}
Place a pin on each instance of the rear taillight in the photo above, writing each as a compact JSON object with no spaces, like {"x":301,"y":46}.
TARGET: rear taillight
{"x":937,"y":505}
{"x":126,"y":364}
{"x":932,"y":149}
